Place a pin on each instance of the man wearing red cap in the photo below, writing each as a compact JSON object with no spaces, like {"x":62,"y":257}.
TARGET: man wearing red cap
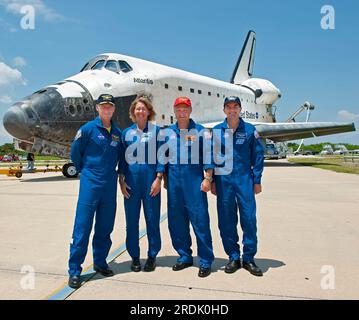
{"x":187,"y":186}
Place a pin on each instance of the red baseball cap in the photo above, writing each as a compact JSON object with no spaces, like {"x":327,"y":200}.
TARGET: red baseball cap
{"x":183,"y":100}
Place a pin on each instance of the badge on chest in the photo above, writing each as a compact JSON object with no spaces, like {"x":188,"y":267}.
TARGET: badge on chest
{"x":115,"y":140}
{"x":240,"y":137}
{"x":101,"y":136}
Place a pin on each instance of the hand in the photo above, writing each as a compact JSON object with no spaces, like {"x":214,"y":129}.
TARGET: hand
{"x":213,"y":189}
{"x":124,"y":188}
{"x":205,"y":185}
{"x":155,"y":188}
{"x":257,"y":188}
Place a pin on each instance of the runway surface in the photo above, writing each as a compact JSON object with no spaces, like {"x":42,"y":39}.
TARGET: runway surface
{"x":308,"y":231}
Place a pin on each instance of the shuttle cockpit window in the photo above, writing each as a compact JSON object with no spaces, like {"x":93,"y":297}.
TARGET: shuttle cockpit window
{"x":124,"y":66}
{"x":98,"y":65}
{"x":85,"y":66}
{"x":112,"y":65}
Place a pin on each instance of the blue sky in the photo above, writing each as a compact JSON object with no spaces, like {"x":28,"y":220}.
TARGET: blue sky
{"x":304,"y":61}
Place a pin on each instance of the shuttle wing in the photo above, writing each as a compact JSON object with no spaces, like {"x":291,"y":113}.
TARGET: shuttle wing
{"x":301,"y":130}
{"x":296,"y":130}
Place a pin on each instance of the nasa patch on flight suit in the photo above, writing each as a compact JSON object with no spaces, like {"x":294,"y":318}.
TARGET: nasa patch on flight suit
{"x":241,"y":137}
{"x":101,"y":136}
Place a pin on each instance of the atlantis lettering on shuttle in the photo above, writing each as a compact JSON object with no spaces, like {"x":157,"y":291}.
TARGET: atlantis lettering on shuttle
{"x":139,"y":80}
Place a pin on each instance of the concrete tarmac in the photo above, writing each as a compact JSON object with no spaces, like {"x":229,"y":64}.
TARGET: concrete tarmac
{"x":308,"y":232}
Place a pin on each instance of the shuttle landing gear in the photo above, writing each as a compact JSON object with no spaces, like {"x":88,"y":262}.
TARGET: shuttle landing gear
{"x":69,"y":170}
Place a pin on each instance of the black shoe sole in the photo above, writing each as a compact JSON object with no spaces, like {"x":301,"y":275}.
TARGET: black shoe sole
{"x":204,"y":275}
{"x":231,"y":271}
{"x":149,"y":269}
{"x":74,"y":286}
{"x":104,"y":274}
{"x":136,"y":269}
{"x":185,"y":266}
{"x":253,"y":273}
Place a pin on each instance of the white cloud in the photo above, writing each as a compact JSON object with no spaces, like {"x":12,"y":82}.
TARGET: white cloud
{"x":14,"y":6}
{"x":348,"y":116}
{"x":5,"y":99}
{"x":10,"y":76}
{"x":19,"y":62}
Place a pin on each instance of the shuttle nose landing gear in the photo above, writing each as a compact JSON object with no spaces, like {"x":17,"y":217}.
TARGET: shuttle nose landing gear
{"x":69,"y":170}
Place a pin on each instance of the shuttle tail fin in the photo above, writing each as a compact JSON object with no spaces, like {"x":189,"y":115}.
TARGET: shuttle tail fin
{"x":244,"y":66}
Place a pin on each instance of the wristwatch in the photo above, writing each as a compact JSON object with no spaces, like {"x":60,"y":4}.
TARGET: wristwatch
{"x":209,"y":178}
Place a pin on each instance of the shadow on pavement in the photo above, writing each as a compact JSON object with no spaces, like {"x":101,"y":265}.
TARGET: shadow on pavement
{"x":50,"y":179}
{"x":169,"y":261}
{"x":266,"y":264}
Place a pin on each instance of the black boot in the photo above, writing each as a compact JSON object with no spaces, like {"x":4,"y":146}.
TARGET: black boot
{"x":181,"y":265}
{"x":232,"y":266}
{"x":105,"y":272}
{"x":253,"y":268}
{"x":150,"y":264}
{"x":204,"y":272}
{"x":74,"y":282}
{"x":136,"y":265}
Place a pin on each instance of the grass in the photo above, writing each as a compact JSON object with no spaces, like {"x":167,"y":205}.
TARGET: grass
{"x":332,"y":163}
{"x":48,"y":158}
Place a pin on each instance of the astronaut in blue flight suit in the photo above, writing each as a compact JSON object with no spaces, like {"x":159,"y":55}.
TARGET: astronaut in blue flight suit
{"x":236,"y":189}
{"x":187,"y":187}
{"x":96,"y":152}
{"x":141,"y":182}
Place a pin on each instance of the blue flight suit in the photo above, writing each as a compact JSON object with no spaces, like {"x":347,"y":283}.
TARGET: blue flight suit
{"x":140,"y":172}
{"x":235,"y":190}
{"x":96,"y":154}
{"x":186,"y":202}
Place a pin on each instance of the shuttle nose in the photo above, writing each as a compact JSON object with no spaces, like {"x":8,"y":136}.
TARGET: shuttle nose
{"x":15,"y":123}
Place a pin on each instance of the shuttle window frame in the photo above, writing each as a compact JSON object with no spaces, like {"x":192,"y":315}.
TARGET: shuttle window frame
{"x":85,"y":66}
{"x":97,"y":63}
{"x":116,"y":69}
{"x":124,"y":66}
